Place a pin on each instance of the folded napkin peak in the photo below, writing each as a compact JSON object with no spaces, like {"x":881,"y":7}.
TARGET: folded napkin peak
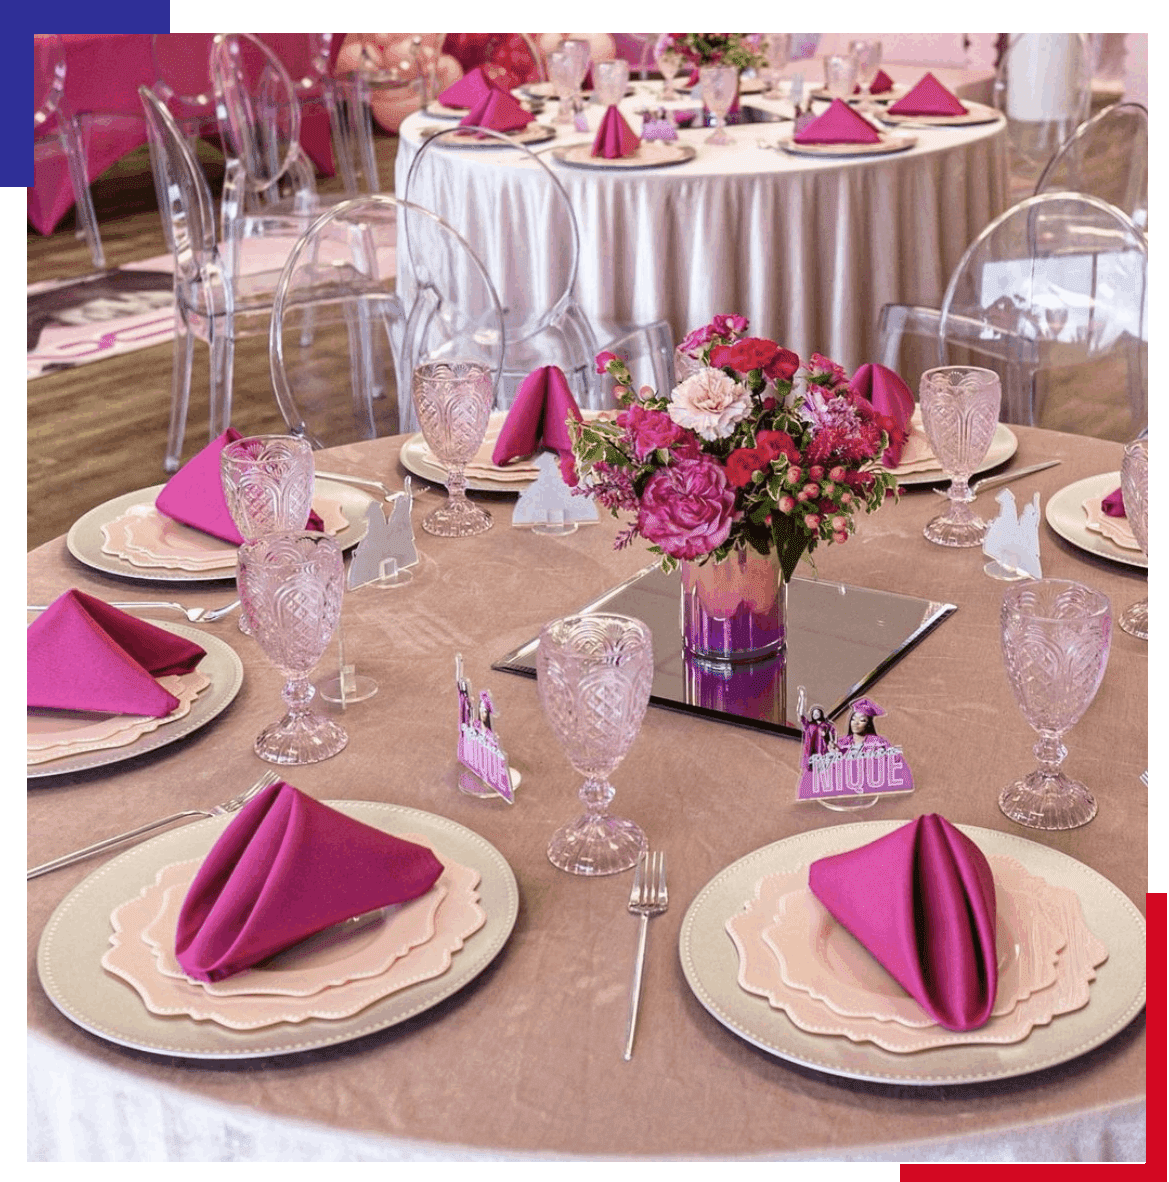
{"x":194,"y":494}
{"x":469,"y":90}
{"x":538,"y":417}
{"x":928,"y":97}
{"x":881,"y":84}
{"x":922,"y":900}
{"x":1113,"y":504}
{"x":840,"y":124}
{"x":884,"y":390}
{"x":289,"y":866}
{"x":84,"y":654}
{"x":614,"y":136}
{"x":498,"y":111}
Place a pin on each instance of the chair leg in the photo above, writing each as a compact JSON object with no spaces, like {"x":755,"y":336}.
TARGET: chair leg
{"x":180,"y":397}
{"x":222,"y":365}
{"x":71,"y":142}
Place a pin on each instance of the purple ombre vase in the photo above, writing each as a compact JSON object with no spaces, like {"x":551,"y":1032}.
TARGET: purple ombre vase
{"x":736,"y":610}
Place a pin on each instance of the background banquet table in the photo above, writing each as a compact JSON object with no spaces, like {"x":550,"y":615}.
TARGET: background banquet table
{"x":526,"y":1060}
{"x":808,"y":248}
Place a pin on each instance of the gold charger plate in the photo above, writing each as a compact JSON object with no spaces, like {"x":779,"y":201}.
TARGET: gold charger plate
{"x":650,"y":154}
{"x":534,"y":133}
{"x":226,"y":673}
{"x":711,"y":964}
{"x":889,"y":145}
{"x":975,"y":113}
{"x":77,"y":935}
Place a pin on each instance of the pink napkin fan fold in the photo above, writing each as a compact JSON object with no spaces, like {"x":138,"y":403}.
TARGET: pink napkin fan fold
{"x":888,"y":395}
{"x":84,"y":654}
{"x":840,"y":124}
{"x":1113,"y":504}
{"x":615,"y":137}
{"x":287,"y":867}
{"x":538,"y":416}
{"x":922,"y":900}
{"x":928,"y":97}
{"x":468,"y":91}
{"x":498,"y":111}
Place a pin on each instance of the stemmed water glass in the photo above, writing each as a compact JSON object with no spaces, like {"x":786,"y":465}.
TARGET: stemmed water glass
{"x":579,"y":53}
{"x":561,"y":72}
{"x":453,"y":401}
{"x":594,"y":674}
{"x":959,"y":411}
{"x":610,"y":80}
{"x":291,"y":585}
{"x":669,"y":62}
{"x":840,"y":75}
{"x":777,"y":50}
{"x":1056,"y":636}
{"x":1134,"y":488}
{"x":868,"y":62}
{"x":718,"y":85}
{"x":268,"y":485}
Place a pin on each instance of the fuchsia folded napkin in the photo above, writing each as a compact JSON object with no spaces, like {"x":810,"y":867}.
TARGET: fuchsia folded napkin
{"x":921,"y":899}
{"x":615,"y":137}
{"x":1113,"y":504}
{"x":889,"y":396}
{"x":469,"y":91}
{"x":85,"y":655}
{"x":286,"y":867}
{"x":840,"y":124}
{"x":194,"y":494}
{"x":537,"y":417}
{"x":928,"y":97}
{"x":881,"y":84}
{"x":498,"y":111}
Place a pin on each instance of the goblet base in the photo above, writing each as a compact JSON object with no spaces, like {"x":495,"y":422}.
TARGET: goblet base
{"x":720,"y":138}
{"x":300,"y":738}
{"x":944,"y":531}
{"x":361,"y":688}
{"x":596,"y":844}
{"x":1043,"y":800}
{"x":1135,"y":620}
{"x":457,"y":519}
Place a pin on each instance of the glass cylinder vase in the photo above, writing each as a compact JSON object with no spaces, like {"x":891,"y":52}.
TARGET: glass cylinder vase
{"x":735,"y":610}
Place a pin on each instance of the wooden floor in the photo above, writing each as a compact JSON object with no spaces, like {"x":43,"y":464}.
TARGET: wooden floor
{"x":99,"y":430}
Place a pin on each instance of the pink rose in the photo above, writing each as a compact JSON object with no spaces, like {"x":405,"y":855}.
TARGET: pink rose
{"x":649,"y":429}
{"x":603,"y":360}
{"x":687,"y":509}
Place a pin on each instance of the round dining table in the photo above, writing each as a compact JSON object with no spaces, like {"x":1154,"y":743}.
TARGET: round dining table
{"x":808,"y":247}
{"x":525,"y":1060}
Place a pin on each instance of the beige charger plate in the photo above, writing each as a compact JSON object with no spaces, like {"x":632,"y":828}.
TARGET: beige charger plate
{"x":975,"y":113}
{"x":77,"y":935}
{"x":650,"y":154}
{"x":1003,"y":445}
{"x":220,"y":665}
{"x":84,"y":540}
{"x":711,"y":965}
{"x":1065,"y":514}
{"x":889,"y":145}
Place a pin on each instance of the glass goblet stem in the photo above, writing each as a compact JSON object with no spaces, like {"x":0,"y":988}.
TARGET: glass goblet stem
{"x":1050,"y":752}
{"x":596,"y":793}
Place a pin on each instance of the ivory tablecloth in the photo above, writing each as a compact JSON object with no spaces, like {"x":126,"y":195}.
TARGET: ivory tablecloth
{"x":526,"y":1061}
{"x":809,"y":249}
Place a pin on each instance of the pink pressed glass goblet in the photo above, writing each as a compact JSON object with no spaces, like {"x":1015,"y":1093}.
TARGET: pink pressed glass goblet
{"x":718,"y":85}
{"x":1056,"y":637}
{"x":777,"y":49}
{"x":959,"y":411}
{"x":840,"y":75}
{"x":1134,"y":487}
{"x":291,"y":585}
{"x":594,"y":672}
{"x":669,"y":63}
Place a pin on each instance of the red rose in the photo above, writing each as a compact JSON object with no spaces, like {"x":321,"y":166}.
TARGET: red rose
{"x":743,"y":463}
{"x":777,"y":443}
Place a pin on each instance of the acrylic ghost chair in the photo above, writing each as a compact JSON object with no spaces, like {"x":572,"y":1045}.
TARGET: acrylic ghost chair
{"x":527,"y":204}
{"x":59,"y":131}
{"x":343,"y":342}
{"x":182,"y":79}
{"x":215,"y":300}
{"x":1107,"y":156}
{"x":1052,"y":295}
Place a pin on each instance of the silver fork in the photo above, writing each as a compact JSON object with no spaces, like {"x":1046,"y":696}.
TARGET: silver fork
{"x":228,"y":806}
{"x":197,"y":615}
{"x":647,"y":898}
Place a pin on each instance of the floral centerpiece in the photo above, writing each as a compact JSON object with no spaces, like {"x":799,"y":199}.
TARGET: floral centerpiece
{"x":747,"y":465}
{"x":741,"y":50}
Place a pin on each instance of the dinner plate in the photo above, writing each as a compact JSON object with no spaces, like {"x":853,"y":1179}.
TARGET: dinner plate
{"x":220,"y":665}
{"x":649,"y":154}
{"x":1003,"y":445}
{"x":440,"y":111}
{"x":898,"y":91}
{"x":711,"y":964}
{"x":889,"y":145}
{"x":534,"y":133}
{"x":84,"y":539}
{"x":975,"y":113}
{"x":1065,"y":514}
{"x":77,"y":935}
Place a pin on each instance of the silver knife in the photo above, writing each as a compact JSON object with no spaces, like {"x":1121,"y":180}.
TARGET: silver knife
{"x":1003,"y":478}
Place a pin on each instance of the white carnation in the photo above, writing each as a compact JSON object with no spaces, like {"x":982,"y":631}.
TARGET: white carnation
{"x":710,"y":403}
